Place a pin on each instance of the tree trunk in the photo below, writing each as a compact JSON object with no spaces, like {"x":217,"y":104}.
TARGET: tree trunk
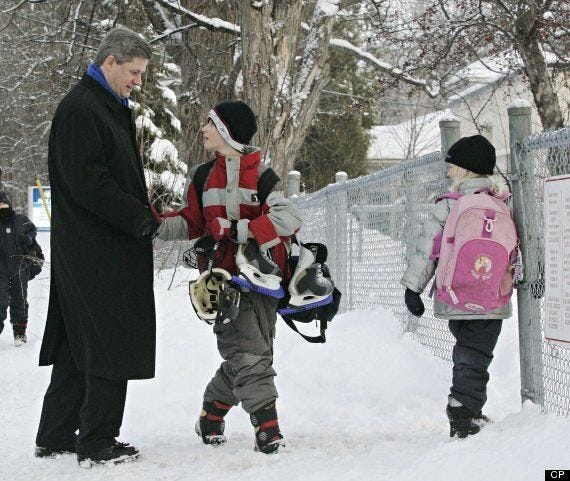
{"x":282,"y":79}
{"x":300,"y":106}
{"x":545,"y":97}
{"x":284,"y":91}
{"x":205,"y":59}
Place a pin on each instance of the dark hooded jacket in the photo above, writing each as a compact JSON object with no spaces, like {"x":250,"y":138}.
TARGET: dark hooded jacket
{"x":101,"y":292}
{"x":16,"y":233}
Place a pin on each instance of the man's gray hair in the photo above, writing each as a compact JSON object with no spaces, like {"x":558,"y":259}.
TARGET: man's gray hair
{"x":123,"y":44}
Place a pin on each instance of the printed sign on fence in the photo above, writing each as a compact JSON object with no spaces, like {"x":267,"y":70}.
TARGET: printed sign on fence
{"x":36,"y":209}
{"x":557,"y":257}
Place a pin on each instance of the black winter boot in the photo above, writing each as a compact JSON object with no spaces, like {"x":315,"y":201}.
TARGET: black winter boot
{"x":268,"y":437}
{"x":461,"y":421}
{"x":20,"y":334}
{"x":211,"y":425}
{"x":115,"y":454}
{"x":481,"y":420}
{"x":43,"y":452}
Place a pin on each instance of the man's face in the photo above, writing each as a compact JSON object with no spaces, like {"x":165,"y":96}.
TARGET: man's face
{"x":3,"y":205}
{"x":122,"y":78}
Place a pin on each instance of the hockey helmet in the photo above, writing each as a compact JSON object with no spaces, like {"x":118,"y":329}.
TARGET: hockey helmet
{"x":205,"y":293}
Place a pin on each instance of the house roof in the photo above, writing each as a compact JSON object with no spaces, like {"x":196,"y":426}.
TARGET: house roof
{"x":475,"y":77}
{"x":393,"y":141}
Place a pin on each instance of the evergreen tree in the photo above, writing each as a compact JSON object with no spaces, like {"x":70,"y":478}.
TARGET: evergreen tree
{"x":338,"y":139}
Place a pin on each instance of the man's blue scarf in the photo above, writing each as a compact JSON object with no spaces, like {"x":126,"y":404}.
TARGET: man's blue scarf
{"x":94,"y":71}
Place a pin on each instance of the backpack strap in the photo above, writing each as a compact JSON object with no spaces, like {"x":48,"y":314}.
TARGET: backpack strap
{"x":449,"y":195}
{"x":484,"y":190}
{"x":503,"y":196}
{"x":265,"y":183}
{"x":199,"y":179}
{"x":438,"y":238}
{"x":312,"y":339}
{"x":436,"y":249}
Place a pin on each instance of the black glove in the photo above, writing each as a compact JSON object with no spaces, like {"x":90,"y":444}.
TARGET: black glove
{"x":25,"y":240}
{"x":414,"y":303}
{"x":147,"y":230}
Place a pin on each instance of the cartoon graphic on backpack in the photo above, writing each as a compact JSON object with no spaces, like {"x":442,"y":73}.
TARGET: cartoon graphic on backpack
{"x":477,"y":252}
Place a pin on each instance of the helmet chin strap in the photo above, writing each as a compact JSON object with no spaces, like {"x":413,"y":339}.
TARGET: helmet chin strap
{"x":212,"y":255}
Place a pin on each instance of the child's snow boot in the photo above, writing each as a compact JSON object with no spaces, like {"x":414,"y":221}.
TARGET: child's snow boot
{"x":268,"y":437}
{"x":460,"y":419}
{"x":20,"y":337}
{"x":210,"y":425}
{"x":481,"y":420}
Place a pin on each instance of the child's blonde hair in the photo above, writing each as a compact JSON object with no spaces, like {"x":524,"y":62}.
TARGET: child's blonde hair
{"x":497,"y":182}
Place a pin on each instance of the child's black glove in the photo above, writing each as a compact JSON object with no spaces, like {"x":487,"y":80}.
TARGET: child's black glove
{"x":25,"y":240}
{"x":414,"y":303}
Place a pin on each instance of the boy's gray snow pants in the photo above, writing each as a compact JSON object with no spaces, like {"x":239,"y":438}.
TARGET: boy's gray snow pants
{"x":246,"y":345}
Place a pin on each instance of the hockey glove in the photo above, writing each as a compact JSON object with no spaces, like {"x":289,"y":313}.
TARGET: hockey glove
{"x":414,"y":303}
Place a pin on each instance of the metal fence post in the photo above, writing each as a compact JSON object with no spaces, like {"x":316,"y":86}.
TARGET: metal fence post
{"x":411,"y":323}
{"x":449,"y":128}
{"x":340,"y":177}
{"x":524,"y":209}
{"x":343,"y":248}
{"x":293,"y":183}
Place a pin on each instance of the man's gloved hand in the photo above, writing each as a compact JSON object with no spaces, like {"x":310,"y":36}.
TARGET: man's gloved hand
{"x":220,"y":227}
{"x":25,"y":240}
{"x":414,"y":303}
{"x":157,"y":218}
{"x":148,"y":229}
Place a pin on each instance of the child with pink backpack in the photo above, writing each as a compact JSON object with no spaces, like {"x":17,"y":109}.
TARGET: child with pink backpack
{"x":469,"y":243}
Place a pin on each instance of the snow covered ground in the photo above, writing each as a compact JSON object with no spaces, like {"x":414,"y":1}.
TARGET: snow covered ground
{"x":369,"y":404}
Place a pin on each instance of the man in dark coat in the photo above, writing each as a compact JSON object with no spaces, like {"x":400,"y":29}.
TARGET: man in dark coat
{"x":100,"y":329}
{"x":17,"y":234}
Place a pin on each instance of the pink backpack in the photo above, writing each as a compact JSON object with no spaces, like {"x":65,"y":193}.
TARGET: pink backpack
{"x":476,"y":251}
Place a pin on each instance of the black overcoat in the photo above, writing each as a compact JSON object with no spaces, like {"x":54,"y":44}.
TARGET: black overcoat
{"x":101,"y":291}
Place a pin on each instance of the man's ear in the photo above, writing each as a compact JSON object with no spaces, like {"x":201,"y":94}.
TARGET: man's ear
{"x":109,"y":61}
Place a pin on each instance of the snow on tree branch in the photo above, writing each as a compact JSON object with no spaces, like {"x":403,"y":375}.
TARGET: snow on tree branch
{"x":324,"y":8}
{"x":328,"y":8}
{"x":319,"y":34}
{"x":432,"y":91}
{"x":209,"y":23}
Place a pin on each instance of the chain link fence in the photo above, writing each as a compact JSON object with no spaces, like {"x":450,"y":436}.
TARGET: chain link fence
{"x":535,"y":158}
{"x":371,"y":222}
{"x":368,"y":225}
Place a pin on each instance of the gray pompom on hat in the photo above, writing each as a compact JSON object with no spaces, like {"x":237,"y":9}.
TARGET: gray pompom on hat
{"x":474,"y":153}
